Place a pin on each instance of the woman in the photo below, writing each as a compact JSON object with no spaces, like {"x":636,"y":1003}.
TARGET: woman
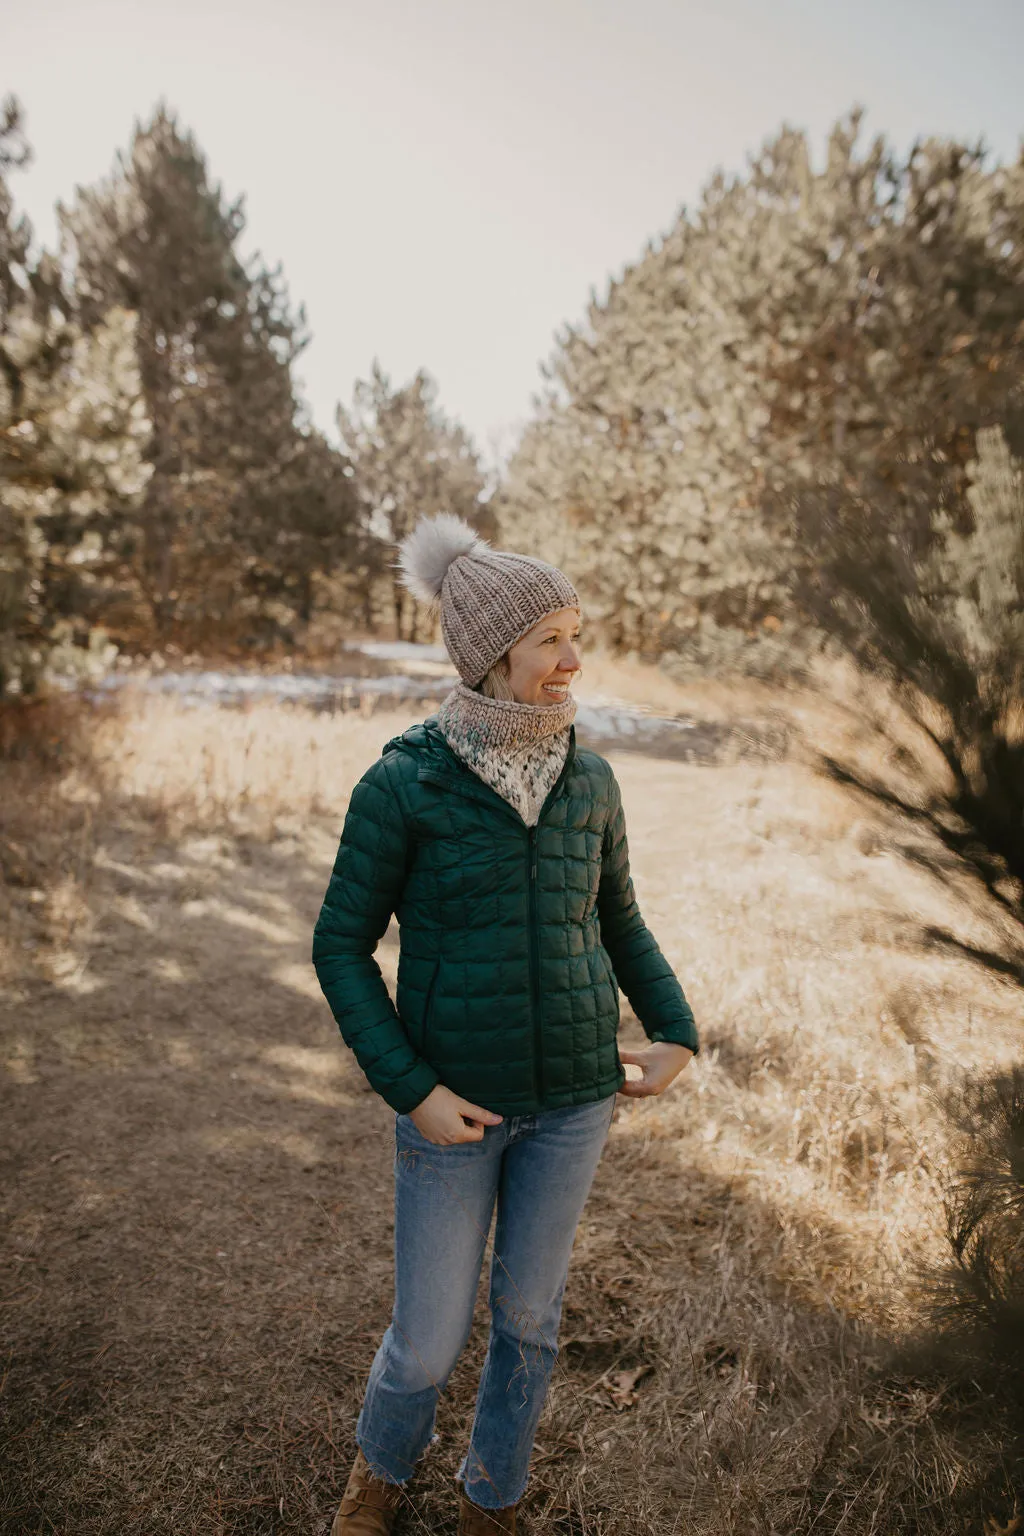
{"x":501,"y":848}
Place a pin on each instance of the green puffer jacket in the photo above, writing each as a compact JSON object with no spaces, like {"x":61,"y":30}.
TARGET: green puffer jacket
{"x":514,"y":940}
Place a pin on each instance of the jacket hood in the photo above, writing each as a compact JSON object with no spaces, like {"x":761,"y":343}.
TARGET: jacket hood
{"x":424,"y":736}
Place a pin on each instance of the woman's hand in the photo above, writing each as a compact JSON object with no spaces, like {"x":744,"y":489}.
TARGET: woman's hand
{"x":660,"y":1064}
{"x":443,"y":1118}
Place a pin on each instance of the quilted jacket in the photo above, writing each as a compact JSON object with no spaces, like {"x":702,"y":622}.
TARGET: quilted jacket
{"x":514,"y":940}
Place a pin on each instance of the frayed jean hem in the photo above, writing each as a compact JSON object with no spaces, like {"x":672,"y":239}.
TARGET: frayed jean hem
{"x":379,"y":1469}
{"x":487,"y":1503}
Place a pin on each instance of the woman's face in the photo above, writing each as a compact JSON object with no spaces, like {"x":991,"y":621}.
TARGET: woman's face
{"x":542,"y":664}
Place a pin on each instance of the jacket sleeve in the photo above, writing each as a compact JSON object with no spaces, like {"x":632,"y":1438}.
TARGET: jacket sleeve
{"x":365,"y":888}
{"x":640,"y":968}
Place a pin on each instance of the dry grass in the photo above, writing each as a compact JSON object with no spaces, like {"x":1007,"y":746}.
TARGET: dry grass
{"x":243,"y":770}
{"x":199,"y":1239}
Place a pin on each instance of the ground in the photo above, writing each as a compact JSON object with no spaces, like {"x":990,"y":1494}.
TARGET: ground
{"x":197,"y":1199}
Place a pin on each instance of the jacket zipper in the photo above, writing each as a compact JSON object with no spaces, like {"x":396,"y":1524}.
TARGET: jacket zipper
{"x":538,"y":1032}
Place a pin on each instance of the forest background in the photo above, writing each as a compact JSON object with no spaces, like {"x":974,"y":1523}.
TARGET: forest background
{"x":793,"y":425}
{"x":785,"y":446}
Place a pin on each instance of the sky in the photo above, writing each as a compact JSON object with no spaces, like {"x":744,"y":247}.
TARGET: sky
{"x":445,"y":183}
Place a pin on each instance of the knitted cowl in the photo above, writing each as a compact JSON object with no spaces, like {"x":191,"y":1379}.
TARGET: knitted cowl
{"x":518,"y":749}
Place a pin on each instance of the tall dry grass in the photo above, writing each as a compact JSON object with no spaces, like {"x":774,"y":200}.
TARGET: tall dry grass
{"x":248,"y":770}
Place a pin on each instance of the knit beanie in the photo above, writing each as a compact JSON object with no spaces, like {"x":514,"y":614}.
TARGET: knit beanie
{"x":489,"y":598}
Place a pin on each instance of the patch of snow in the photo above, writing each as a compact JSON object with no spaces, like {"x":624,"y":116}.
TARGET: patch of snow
{"x":621,"y":722}
{"x":238,"y":687}
{"x":399,"y":650}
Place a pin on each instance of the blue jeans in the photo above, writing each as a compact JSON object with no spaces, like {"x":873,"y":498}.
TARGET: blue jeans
{"x":538,"y":1170}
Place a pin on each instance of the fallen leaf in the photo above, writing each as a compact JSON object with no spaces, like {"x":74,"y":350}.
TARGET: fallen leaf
{"x":621,"y":1387}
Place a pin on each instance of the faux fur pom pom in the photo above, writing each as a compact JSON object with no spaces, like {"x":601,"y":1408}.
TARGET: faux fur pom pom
{"x":426,"y":553}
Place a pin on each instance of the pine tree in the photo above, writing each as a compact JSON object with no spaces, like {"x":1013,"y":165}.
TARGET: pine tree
{"x":410,"y":461}
{"x":73,"y":432}
{"x":942,"y":623}
{"x":221,"y":529}
{"x":837,"y":333}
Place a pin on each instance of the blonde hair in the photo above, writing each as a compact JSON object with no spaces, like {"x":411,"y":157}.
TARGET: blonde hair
{"x":495,"y":683}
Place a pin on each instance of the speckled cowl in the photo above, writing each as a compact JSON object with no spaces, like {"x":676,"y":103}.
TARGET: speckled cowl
{"x":518,"y":749}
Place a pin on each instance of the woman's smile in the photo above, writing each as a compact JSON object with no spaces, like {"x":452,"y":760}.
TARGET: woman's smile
{"x":559,"y":690}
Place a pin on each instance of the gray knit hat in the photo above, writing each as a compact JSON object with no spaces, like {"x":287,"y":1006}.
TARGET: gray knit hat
{"x":489,"y":598}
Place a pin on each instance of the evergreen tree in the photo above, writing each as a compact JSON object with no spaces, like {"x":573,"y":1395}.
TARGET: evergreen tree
{"x":410,"y":461}
{"x":840,"y":332}
{"x":943,"y":626}
{"x":223,"y":522}
{"x":304,"y":531}
{"x":73,"y":432}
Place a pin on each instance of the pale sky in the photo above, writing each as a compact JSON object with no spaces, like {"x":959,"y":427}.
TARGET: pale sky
{"x":444,"y":181}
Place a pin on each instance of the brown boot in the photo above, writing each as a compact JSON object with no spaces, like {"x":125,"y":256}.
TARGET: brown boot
{"x":474,"y":1521}
{"x":369,"y":1504}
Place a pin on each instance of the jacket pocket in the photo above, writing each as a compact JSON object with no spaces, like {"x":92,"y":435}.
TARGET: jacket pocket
{"x":612,"y":982}
{"x":428,"y":1003}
